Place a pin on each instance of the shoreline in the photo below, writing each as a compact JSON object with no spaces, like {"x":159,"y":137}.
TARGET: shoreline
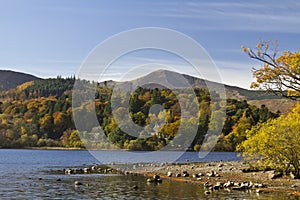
{"x":213,"y":176}
{"x":230,"y":171}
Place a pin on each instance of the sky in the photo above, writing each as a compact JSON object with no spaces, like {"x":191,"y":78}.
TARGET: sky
{"x":54,"y":37}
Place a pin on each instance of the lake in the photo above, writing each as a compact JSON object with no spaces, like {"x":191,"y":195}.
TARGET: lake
{"x":28,"y":174}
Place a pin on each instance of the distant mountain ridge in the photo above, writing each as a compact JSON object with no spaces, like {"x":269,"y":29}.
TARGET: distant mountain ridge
{"x":164,"y":78}
{"x":11,"y":79}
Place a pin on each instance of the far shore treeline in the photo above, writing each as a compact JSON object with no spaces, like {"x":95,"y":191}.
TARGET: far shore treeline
{"x":39,"y":114}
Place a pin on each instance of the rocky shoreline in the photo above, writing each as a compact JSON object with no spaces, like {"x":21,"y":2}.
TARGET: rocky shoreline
{"x":229,"y":176}
{"x":213,"y":176}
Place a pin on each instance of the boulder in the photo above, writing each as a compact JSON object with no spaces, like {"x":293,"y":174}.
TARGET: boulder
{"x":76,"y":183}
{"x":207,"y":192}
{"x":155,"y":177}
{"x":211,"y":174}
{"x":228,"y":184}
{"x":86,"y":170}
{"x":135,"y":187}
{"x":150,"y":180}
{"x":185,"y":174}
{"x":196,"y":176}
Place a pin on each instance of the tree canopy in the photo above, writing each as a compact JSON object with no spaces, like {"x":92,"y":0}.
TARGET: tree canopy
{"x":275,"y":143}
{"x":40,"y":114}
{"x":279,"y":74}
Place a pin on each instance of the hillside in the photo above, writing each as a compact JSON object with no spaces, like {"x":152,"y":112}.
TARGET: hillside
{"x":167,"y":79}
{"x":11,"y":79}
{"x":41,"y":114}
{"x":164,"y":78}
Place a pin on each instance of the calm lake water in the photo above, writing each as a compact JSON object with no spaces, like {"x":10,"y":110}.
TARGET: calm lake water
{"x":28,"y":174}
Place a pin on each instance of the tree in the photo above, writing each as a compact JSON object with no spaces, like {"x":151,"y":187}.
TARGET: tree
{"x":279,"y":74}
{"x":74,"y":140}
{"x":275,"y":143}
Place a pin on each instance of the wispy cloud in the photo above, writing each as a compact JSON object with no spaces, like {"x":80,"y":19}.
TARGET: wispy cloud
{"x":278,"y":16}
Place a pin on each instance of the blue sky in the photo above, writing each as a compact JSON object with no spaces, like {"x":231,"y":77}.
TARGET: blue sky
{"x":50,"y":37}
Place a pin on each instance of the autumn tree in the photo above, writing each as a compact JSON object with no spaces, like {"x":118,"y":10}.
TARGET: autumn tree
{"x":279,"y":74}
{"x":275,"y":143}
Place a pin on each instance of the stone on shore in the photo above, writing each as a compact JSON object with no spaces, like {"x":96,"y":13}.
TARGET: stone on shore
{"x":76,"y":183}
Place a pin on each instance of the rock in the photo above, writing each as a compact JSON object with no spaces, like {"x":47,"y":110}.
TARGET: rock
{"x":207,"y":192}
{"x":178,"y":175}
{"x":228,"y":184}
{"x":239,"y":188}
{"x":186,"y":174}
{"x":218,"y":186}
{"x":262,"y":185}
{"x":207,"y":185}
{"x":212,"y":174}
{"x":200,"y":174}
{"x":76,"y":183}
{"x":135,"y":187}
{"x":273,"y":175}
{"x":86,"y":170}
{"x":109,"y":170}
{"x":150,"y":180}
{"x":292,"y":175}
{"x":169,"y":174}
{"x":156,"y":177}
{"x":69,"y":171}
{"x":258,"y":191}
{"x":237,"y":184}
{"x":158,"y":180}
{"x":199,"y":179}
{"x":250,"y":184}
{"x":58,"y":179}
{"x":196,"y":175}
{"x":294,"y":186}
{"x":220,"y":165}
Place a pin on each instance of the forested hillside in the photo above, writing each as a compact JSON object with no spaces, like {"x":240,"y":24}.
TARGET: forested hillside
{"x":39,"y":114}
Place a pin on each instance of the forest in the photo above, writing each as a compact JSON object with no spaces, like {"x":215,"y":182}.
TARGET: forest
{"x":39,"y":114}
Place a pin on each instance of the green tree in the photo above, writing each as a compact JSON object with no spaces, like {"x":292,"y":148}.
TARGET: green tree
{"x":74,"y":140}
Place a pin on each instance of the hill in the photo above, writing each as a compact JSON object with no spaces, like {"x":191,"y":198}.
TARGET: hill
{"x":168,"y":79}
{"x":158,"y":79}
{"x":10,"y":79}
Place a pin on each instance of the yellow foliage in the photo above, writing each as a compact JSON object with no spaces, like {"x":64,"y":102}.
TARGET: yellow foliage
{"x":24,"y":85}
{"x":277,"y":141}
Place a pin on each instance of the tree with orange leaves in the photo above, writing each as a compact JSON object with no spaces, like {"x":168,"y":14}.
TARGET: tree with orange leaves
{"x":279,"y":74}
